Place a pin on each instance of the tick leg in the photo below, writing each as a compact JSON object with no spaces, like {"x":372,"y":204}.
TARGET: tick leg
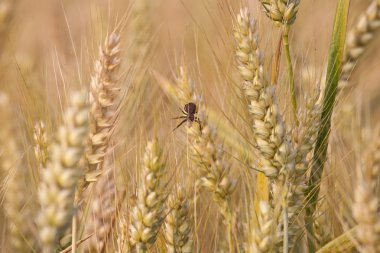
{"x":199,"y":123}
{"x":180,"y":124}
{"x":180,"y":117}
{"x":183,"y":111}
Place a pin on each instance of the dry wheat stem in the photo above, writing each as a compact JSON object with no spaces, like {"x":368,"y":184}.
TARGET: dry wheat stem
{"x":62,"y":173}
{"x":358,"y":39}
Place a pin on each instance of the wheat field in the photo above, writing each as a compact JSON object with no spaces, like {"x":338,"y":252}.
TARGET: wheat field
{"x":198,"y":126}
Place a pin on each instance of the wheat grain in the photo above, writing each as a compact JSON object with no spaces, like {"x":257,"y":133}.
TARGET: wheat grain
{"x":62,"y":173}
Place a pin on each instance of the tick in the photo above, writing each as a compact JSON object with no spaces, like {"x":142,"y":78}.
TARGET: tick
{"x":189,"y":111}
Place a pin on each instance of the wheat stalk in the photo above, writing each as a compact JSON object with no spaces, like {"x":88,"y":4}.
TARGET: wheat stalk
{"x":147,"y":214}
{"x":178,"y":224}
{"x":62,"y":173}
{"x":104,"y":94}
{"x":358,"y":39}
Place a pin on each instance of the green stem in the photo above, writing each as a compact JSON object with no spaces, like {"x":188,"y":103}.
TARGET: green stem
{"x":320,"y":150}
{"x":290,"y":71}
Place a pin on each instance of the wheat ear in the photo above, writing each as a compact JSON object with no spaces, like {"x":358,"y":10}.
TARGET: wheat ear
{"x":148,"y":213}
{"x":213,"y":169}
{"x":268,"y":125}
{"x":178,"y":224}
{"x":281,"y":11}
{"x":62,"y":173}
{"x":104,"y":94}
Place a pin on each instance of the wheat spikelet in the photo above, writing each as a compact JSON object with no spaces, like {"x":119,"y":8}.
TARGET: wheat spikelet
{"x":268,"y":125}
{"x":61,"y":175}
{"x":358,"y":39}
{"x":104,"y":93}
{"x":147,"y":214}
{"x":178,"y":224}
{"x":262,"y":237}
{"x":366,"y":206}
{"x":281,"y":11}
{"x":16,"y":197}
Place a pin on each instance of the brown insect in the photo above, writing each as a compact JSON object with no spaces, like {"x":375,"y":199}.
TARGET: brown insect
{"x":189,"y":111}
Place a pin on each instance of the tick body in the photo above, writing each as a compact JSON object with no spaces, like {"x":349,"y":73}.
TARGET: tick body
{"x":189,"y":111}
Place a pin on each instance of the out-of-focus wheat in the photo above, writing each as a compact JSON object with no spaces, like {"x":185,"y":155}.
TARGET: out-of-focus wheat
{"x":40,"y":144}
{"x":14,"y":176}
{"x":62,"y":173}
{"x":358,"y":39}
{"x":366,"y":206}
